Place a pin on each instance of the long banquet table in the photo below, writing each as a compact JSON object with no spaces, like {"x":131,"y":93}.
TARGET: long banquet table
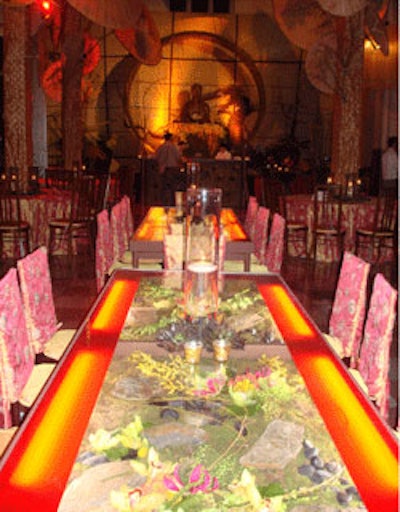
{"x":147,"y":241}
{"x":355,"y":214}
{"x":37,"y":464}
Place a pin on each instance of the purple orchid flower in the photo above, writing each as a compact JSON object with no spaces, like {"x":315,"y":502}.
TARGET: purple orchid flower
{"x":199,"y":475}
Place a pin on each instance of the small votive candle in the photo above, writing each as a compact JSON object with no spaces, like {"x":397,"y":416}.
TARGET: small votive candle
{"x":329,"y":180}
{"x":221,"y":350}
{"x":192,"y":351}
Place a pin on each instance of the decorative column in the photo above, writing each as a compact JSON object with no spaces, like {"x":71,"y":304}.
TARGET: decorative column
{"x":347,"y":114}
{"x":73,"y":48}
{"x":17,"y":137}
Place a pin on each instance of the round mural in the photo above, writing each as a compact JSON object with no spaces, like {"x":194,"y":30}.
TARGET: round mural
{"x":205,"y":91}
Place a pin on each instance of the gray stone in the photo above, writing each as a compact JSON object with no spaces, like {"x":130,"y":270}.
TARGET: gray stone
{"x":133,"y":389}
{"x":280,"y":443}
{"x":174,"y":434}
{"x":90,"y":492}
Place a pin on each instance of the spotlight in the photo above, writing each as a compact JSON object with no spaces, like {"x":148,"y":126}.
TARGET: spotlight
{"x":46,"y":7}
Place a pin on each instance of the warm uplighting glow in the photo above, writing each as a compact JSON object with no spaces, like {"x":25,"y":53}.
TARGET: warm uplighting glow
{"x":369,"y":44}
{"x":46,"y":8}
{"x":356,"y":426}
{"x":103,"y":321}
{"x":289,"y":319}
{"x":33,"y":467}
{"x":366,"y":446}
{"x":156,"y":225}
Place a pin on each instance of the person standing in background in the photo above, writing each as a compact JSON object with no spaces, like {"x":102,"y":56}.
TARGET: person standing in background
{"x":168,"y":156}
{"x":390,"y":165}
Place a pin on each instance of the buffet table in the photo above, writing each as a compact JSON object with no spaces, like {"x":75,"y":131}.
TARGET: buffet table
{"x":303,"y":397}
{"x":355,"y":214}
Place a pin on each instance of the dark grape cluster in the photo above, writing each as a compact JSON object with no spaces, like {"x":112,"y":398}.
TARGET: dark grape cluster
{"x":318,"y":470}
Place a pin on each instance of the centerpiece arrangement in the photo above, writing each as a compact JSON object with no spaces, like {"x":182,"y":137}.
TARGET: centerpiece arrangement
{"x":239,"y":436}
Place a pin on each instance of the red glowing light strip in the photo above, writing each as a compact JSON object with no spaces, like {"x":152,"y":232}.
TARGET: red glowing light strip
{"x":36,"y":467}
{"x":365,"y":443}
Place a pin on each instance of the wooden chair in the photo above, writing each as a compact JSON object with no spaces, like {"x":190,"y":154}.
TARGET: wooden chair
{"x":346,"y":321}
{"x":274,"y":189}
{"x":78,"y":226}
{"x":296,"y":230}
{"x":372,"y":371}
{"x":48,"y":341}
{"x":382,"y":234}
{"x":327,"y":218}
{"x":20,"y":379}
{"x":59,"y":178}
{"x":13,"y":230}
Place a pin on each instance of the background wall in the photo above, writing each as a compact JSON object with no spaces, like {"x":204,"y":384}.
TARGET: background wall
{"x":130,"y":105}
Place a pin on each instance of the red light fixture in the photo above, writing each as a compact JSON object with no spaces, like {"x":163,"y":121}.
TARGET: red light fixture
{"x":46,"y":7}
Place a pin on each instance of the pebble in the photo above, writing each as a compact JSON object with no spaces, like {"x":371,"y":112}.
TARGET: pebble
{"x":332,"y":467}
{"x":317,"y":478}
{"x":169,"y":414}
{"x":238,"y":425}
{"x":306,"y":470}
{"x":310,"y":452}
{"x":343,"y":498}
{"x":317,"y":462}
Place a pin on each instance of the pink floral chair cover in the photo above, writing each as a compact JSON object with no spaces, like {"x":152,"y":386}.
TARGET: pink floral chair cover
{"x":127,"y":221}
{"x":250,"y":219}
{"x":117,"y":231}
{"x":261,"y":233}
{"x":104,"y":248}
{"x":275,"y":247}
{"x":16,"y":353}
{"x":373,"y":364}
{"x":173,"y":251}
{"x":349,"y":306}
{"x":37,"y":296}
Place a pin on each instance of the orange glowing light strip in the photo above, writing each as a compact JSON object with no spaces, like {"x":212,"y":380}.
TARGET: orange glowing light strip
{"x":32,"y":469}
{"x":287,"y":314}
{"x":355,"y":423}
{"x":35,"y":469}
{"x":231,"y":226}
{"x":365,"y":443}
{"x":153,"y":226}
{"x":105,"y":318}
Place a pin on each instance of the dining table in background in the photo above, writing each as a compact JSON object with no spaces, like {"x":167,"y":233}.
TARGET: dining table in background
{"x":37,"y":209}
{"x":356,"y":213}
{"x":148,"y":239}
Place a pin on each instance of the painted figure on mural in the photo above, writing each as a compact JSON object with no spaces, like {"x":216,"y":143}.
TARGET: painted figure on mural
{"x":237,"y":107}
{"x":196,"y":109}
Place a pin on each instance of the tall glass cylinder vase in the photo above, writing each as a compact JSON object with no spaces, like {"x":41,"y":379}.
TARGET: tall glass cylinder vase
{"x":203,"y":212}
